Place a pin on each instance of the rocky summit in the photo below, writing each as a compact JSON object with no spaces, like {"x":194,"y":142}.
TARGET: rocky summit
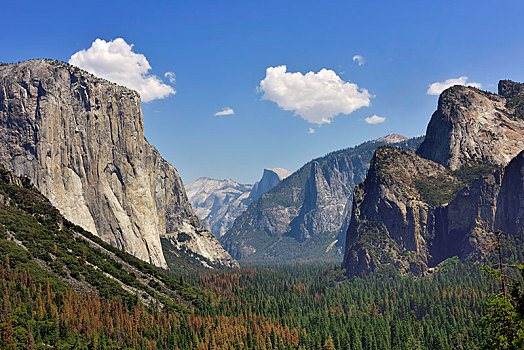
{"x":414,"y":211}
{"x":80,"y":139}
{"x":304,"y":215}
{"x":270,"y":179}
{"x":219,"y":202}
{"x":471,"y":125}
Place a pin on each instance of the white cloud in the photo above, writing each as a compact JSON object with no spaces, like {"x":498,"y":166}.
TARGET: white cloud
{"x":316,"y":97}
{"x":311,"y":131}
{"x":437,"y":87}
{"x":375,"y":119}
{"x":359,"y":59}
{"x":225,"y":111}
{"x":116,"y":61}
{"x":170,"y":76}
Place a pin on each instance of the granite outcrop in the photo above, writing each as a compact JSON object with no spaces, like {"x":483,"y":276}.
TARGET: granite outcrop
{"x":80,"y":139}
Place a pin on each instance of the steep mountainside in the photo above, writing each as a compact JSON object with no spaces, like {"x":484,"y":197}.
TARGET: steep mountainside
{"x":219,"y":202}
{"x":474,"y":125}
{"x":38,"y":238}
{"x":400,"y":214}
{"x":302,"y":216}
{"x":509,"y":216}
{"x":414,"y":213}
{"x":270,"y":179}
{"x":80,"y":140}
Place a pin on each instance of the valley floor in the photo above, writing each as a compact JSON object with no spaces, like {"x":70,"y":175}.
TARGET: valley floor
{"x":308,"y":306}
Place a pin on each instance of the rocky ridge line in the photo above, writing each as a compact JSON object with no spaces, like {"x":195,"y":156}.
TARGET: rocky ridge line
{"x":465,"y":181}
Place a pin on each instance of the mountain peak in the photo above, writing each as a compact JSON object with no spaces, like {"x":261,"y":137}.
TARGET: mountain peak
{"x":281,"y":173}
{"x":471,"y":125}
{"x":270,"y":179}
{"x":392,"y":138}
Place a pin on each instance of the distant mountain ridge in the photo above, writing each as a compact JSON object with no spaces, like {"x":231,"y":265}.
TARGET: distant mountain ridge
{"x":303,"y":216}
{"x":466,"y":180}
{"x":219,"y":202}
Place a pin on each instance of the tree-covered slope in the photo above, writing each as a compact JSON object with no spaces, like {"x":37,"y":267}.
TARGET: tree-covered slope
{"x":306,"y":215}
{"x":63,"y":288}
{"x":46,"y":256}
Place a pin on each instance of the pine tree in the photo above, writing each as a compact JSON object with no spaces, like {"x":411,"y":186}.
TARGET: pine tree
{"x":30,"y":342}
{"x":504,"y":321}
{"x":328,"y":344}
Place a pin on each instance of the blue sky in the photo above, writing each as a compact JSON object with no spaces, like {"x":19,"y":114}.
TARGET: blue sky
{"x":220,"y":50}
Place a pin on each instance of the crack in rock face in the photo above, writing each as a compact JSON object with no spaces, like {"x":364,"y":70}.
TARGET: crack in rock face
{"x":80,"y":139}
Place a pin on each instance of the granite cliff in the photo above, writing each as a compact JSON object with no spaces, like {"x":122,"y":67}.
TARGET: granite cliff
{"x":304,"y":215}
{"x":474,"y":125}
{"x":509,"y":216}
{"x":80,"y":139}
{"x":465,"y":181}
{"x":270,"y":178}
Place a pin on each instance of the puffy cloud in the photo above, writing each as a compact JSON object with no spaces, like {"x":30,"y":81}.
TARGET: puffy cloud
{"x":359,"y":59}
{"x":115,"y":61}
{"x":437,"y":87}
{"x":375,"y":119}
{"x":311,"y":131}
{"x":170,"y":76}
{"x":225,"y":111}
{"x":316,"y":97}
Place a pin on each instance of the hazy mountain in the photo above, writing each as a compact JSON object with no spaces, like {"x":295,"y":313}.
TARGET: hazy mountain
{"x":302,"y":217}
{"x":270,"y":179}
{"x":219,"y":202}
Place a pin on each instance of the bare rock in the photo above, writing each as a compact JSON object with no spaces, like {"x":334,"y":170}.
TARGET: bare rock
{"x":305,"y":215}
{"x":471,"y":125}
{"x":218,"y":202}
{"x":80,"y":139}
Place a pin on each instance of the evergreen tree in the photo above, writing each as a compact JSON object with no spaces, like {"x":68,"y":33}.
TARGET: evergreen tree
{"x":504,"y":322}
{"x":328,"y":344}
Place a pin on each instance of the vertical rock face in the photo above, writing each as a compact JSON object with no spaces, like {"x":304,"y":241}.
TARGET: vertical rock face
{"x":302,"y":216}
{"x":270,"y":179}
{"x":415,"y":211}
{"x":391,"y":216}
{"x":80,"y":139}
{"x":510,"y":204}
{"x":473,"y":125}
